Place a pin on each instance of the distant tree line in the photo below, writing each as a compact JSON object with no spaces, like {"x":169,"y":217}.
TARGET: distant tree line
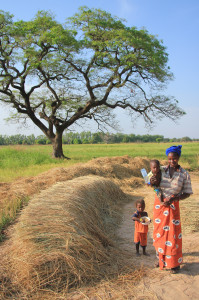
{"x":87,"y":137}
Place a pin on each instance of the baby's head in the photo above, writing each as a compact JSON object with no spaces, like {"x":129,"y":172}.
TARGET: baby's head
{"x":140,"y":205}
{"x":155,"y":166}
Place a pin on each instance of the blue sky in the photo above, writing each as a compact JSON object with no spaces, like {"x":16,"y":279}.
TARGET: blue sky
{"x":176,"y":22}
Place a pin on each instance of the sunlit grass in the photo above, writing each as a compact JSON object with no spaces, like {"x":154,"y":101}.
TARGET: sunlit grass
{"x":23,"y":161}
{"x":9,"y":211}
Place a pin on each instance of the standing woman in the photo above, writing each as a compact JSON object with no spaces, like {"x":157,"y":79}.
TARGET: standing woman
{"x":167,"y":236}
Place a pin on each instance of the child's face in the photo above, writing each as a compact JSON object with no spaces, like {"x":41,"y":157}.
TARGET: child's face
{"x":140,"y":207}
{"x":155,"y":168}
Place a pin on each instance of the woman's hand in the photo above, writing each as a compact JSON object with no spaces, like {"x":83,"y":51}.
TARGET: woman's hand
{"x":154,"y":181}
{"x":167,"y":201}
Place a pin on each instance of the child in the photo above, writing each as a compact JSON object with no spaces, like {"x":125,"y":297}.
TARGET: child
{"x":140,"y":234}
{"x":155,"y":177}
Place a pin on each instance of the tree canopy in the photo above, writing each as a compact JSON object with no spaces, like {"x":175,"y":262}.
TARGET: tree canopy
{"x":58,"y":75}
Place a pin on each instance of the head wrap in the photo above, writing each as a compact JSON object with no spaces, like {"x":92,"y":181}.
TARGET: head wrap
{"x":176,"y":149}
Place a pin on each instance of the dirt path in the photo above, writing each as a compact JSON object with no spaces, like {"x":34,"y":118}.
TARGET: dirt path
{"x":161,"y":284}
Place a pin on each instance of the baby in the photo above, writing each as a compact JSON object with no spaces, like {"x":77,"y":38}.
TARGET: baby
{"x":140,"y":234}
{"x":155,"y":177}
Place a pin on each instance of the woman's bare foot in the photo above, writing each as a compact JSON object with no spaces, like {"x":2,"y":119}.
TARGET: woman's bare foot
{"x":175,"y":270}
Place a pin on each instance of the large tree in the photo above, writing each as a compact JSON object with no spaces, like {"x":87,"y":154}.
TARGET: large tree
{"x":57,"y":75}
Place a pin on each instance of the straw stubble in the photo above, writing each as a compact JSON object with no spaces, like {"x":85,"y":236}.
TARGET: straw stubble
{"x":64,"y":235}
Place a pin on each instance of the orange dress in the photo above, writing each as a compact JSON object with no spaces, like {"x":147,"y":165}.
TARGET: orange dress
{"x":167,"y":236}
{"x":140,"y":234}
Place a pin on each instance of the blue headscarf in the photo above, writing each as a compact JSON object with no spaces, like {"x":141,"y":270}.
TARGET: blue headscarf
{"x":176,"y":149}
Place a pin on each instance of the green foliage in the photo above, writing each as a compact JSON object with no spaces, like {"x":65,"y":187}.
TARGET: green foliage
{"x":58,"y":75}
{"x":104,"y":55}
{"x":158,"y":140}
{"x":85,"y":141}
{"x":17,"y":139}
{"x":96,"y":138}
{"x":41,"y":140}
{"x":77,"y":141}
{"x":126,"y":139}
{"x":108,"y":36}
{"x":87,"y":137}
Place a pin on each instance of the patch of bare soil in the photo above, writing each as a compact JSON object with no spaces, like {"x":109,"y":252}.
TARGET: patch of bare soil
{"x":162,"y":284}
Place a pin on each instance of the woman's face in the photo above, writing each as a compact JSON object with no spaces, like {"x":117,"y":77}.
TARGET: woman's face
{"x":173,"y":159}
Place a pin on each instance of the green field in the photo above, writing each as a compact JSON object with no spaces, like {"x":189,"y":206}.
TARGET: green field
{"x":22,"y":161}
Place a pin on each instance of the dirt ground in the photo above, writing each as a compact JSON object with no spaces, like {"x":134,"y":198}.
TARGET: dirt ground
{"x":162,"y":284}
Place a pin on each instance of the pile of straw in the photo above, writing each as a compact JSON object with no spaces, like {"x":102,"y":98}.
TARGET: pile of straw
{"x":64,"y":236}
{"x":119,"y":169}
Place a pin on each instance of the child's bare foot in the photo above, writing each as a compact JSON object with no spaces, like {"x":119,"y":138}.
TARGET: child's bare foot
{"x":137,"y":254}
{"x":146,"y":254}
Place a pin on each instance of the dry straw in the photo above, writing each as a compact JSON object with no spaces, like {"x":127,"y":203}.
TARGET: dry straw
{"x":116,"y":168}
{"x":64,"y":236}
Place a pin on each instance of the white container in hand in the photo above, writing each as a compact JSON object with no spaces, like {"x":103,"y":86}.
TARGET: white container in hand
{"x":145,"y":176}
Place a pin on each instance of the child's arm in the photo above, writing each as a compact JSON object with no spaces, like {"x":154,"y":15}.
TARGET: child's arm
{"x":136,"y":219}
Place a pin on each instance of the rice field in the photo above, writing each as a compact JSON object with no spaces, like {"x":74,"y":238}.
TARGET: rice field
{"x":24,"y":161}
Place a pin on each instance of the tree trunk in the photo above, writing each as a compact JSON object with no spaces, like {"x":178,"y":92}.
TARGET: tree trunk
{"x":57,"y":146}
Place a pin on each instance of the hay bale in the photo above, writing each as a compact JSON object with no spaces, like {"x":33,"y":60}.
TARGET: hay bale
{"x":119,"y":167}
{"x":64,"y":236}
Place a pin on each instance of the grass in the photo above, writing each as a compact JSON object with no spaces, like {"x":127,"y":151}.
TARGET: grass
{"x":23,"y":161}
{"x":9,"y":212}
